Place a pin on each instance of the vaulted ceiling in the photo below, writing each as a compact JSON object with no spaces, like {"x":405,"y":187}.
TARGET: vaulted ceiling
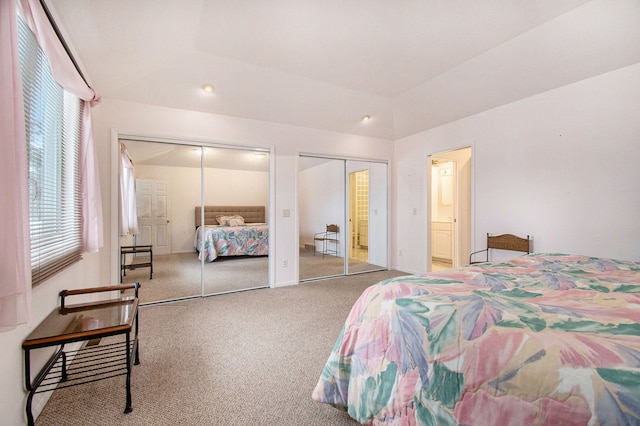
{"x":409,"y":64}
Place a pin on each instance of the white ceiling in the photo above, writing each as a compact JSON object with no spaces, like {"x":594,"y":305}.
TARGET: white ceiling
{"x":409,"y":64}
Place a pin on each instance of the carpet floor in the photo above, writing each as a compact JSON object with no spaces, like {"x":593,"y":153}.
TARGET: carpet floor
{"x":248,"y":358}
{"x":177,"y":275}
{"x":314,"y":266}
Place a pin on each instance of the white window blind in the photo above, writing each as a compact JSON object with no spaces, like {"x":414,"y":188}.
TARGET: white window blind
{"x":52,"y":119}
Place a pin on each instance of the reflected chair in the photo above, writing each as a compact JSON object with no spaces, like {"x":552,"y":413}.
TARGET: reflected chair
{"x":135,"y":250}
{"x":503,"y":242}
{"x":328,"y":239}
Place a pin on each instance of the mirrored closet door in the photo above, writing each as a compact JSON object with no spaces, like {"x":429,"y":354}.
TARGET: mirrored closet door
{"x":342,"y":211}
{"x":171,"y":181}
{"x":321,"y":207}
{"x":167,"y":180}
{"x":367,"y":216}
{"x":236,"y":232}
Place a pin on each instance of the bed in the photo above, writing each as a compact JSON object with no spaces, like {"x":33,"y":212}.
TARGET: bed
{"x":539,"y":339}
{"x":231,"y":231}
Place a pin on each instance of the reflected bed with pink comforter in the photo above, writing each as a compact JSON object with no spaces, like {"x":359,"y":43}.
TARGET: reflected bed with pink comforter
{"x":246,"y":240}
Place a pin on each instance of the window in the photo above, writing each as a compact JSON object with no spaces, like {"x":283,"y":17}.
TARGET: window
{"x":52,"y":119}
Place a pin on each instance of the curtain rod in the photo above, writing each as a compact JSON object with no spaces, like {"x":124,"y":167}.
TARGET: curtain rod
{"x":62,"y":40}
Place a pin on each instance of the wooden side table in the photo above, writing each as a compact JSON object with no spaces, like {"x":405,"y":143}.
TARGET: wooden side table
{"x":83,"y":322}
{"x":125,"y":250}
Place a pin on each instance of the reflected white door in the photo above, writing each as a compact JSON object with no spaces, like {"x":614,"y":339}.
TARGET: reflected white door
{"x":154,"y":222}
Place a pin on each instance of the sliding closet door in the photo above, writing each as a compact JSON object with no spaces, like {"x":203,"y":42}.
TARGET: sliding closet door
{"x":367,"y":216}
{"x":172,"y":182}
{"x":321,"y":202}
{"x":167,"y":187}
{"x":237,"y":256}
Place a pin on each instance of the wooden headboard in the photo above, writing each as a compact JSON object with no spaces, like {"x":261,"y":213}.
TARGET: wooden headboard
{"x":251,"y":214}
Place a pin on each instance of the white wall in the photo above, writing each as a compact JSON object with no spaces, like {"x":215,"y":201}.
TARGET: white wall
{"x":223,"y":187}
{"x":561,"y":166}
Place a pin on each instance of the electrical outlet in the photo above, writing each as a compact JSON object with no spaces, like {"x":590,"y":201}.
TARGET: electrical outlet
{"x":285,"y":263}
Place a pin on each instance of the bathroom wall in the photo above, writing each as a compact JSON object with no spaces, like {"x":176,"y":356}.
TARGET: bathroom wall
{"x":442,"y":192}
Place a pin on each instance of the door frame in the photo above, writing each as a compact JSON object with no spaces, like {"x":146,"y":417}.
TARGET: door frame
{"x":463,"y":220}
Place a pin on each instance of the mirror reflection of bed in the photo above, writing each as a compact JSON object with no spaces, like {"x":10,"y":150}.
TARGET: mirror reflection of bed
{"x":232,"y":237}
{"x":230,"y":177}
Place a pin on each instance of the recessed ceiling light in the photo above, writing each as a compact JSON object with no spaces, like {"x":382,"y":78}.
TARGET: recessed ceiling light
{"x":208,"y":87}
{"x":366,"y":118}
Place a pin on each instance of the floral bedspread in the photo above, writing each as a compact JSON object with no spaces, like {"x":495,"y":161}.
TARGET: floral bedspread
{"x":542,"y":339}
{"x":250,"y":240}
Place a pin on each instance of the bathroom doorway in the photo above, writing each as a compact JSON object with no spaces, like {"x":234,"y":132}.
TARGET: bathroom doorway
{"x":450,"y":209}
{"x":359,"y":215}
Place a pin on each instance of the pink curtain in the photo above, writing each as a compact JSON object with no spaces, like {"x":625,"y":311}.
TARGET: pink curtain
{"x":15,"y":269}
{"x":68,"y":77}
{"x":15,"y":285}
{"x":92,"y":232}
{"x":128,"y":208}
